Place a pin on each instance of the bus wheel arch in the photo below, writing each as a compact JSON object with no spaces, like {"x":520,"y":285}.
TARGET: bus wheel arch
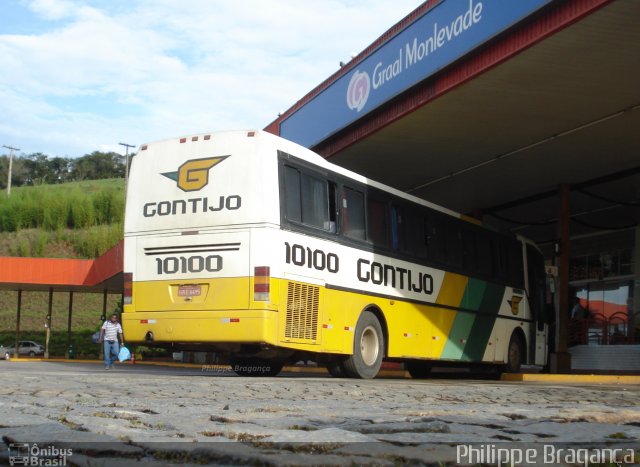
{"x":516,"y":351}
{"x":369,"y":346}
{"x":377,"y":312}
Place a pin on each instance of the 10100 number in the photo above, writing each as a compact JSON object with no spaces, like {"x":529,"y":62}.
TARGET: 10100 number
{"x":317,"y":259}
{"x":185,"y":264}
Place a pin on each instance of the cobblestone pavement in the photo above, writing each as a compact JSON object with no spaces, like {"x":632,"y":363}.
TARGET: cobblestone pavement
{"x":155,"y":415}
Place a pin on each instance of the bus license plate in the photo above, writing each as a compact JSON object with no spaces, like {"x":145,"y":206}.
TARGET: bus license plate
{"x":189,"y":291}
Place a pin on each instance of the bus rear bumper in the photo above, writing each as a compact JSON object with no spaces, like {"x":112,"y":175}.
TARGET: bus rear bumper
{"x":200,"y":327}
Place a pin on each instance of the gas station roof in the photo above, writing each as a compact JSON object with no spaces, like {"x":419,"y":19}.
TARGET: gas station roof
{"x":99,"y":275}
{"x":553,"y":100}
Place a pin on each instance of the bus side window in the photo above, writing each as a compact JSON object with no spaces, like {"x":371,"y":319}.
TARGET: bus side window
{"x":396,"y":226}
{"x":315,"y":202}
{"x":483,"y":255}
{"x":307,"y":199}
{"x":434,"y":238}
{"x":469,"y":260}
{"x":403,"y":229}
{"x":453,"y":244}
{"x":353,"y":225}
{"x":377,"y":231}
{"x":499,"y":254}
{"x":413,"y":229}
{"x":293,"y":202}
{"x":333,"y":208}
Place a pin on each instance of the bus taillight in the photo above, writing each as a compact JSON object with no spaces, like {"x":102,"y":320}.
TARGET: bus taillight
{"x":262,"y":276}
{"x":128,"y":286}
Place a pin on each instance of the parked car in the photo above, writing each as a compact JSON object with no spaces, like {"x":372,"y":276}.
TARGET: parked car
{"x":26,"y":348}
{"x":4,"y":353}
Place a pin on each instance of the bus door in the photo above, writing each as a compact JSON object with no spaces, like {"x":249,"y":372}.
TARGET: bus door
{"x":537,"y":293}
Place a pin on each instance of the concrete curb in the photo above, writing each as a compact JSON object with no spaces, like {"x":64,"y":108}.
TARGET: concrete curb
{"x":581,"y":379}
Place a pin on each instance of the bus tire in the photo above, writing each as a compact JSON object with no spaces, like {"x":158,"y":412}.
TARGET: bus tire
{"x":368,"y":348}
{"x":336,"y":369}
{"x":255,"y":367}
{"x":418,"y":369}
{"x":515,"y":354}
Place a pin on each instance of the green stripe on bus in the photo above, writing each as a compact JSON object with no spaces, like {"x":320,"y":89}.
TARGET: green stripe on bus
{"x":473,"y":294}
{"x":463,"y":323}
{"x":458,"y":336}
{"x":484,"y":322}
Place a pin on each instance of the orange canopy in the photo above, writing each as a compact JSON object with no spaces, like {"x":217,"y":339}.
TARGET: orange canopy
{"x":103,"y":273}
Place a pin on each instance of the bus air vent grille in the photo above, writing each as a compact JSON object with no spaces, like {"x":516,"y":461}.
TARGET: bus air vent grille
{"x":302,"y":311}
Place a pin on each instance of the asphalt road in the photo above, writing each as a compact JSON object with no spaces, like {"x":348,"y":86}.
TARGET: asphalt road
{"x":167,"y":415}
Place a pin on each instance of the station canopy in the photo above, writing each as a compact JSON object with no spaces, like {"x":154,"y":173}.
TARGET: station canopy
{"x":103,"y":274}
{"x":553,"y":100}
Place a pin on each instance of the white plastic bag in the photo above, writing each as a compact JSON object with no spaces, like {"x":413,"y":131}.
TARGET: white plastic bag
{"x":124,"y":354}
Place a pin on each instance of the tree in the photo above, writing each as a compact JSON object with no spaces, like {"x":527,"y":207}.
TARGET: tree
{"x":60,"y":169}
{"x":98,"y":165}
{"x":37,"y":166}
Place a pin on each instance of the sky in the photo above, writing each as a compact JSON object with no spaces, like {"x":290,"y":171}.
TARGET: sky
{"x":78,"y":76}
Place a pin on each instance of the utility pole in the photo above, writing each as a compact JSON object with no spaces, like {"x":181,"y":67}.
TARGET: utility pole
{"x":126,"y":166}
{"x":11,"y":149}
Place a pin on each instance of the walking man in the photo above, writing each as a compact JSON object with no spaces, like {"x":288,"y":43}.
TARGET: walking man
{"x":110,"y":334}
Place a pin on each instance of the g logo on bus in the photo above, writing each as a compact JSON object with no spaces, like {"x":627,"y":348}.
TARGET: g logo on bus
{"x":193,"y":175}
{"x":515,"y":304}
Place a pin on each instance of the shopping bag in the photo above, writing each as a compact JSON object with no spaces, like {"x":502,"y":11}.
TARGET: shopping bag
{"x":124,"y":354}
{"x":96,"y":337}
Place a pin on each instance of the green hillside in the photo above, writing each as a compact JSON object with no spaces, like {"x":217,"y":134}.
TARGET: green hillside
{"x":70,"y":220}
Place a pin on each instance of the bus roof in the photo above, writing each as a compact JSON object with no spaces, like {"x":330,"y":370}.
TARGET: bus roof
{"x":308,"y":155}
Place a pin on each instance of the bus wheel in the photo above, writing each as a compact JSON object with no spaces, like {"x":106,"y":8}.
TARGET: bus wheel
{"x":255,"y":367}
{"x":515,"y":354}
{"x":368,"y":348}
{"x":336,"y":369}
{"x":419,"y":370}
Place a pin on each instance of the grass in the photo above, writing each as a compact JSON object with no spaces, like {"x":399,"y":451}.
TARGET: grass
{"x":69,"y":220}
{"x":87,"y":243}
{"x":74,"y":205}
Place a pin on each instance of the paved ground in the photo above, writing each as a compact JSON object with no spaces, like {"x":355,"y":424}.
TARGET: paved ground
{"x":158,"y":415}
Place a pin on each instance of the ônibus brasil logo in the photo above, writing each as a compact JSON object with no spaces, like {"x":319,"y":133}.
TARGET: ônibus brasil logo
{"x":358,"y":90}
{"x":193,"y":175}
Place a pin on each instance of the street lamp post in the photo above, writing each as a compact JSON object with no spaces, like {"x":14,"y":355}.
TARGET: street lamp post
{"x":11,"y":149}
{"x":126,"y":166}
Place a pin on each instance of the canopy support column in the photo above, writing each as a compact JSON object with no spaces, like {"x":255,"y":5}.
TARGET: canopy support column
{"x":561,"y":359}
{"x":69,"y":324}
{"x":48,"y":324}
{"x":15,"y":352}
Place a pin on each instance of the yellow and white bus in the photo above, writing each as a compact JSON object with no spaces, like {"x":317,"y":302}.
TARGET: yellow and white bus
{"x":256,"y":248}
